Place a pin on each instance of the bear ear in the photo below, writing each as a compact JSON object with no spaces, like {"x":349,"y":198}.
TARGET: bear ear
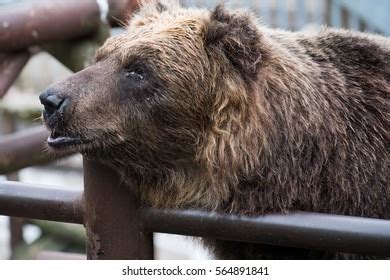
{"x":237,"y":36}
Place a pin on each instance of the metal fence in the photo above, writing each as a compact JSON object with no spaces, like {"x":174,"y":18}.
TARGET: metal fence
{"x":117,"y":225}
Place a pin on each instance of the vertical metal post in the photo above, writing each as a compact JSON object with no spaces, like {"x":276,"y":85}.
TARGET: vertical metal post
{"x":15,"y":224}
{"x":328,"y":12}
{"x":111,"y":217}
{"x":344,"y":18}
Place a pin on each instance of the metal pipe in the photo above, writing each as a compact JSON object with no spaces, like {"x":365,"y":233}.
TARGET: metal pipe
{"x":26,"y":24}
{"x":300,"y":230}
{"x":25,"y":148}
{"x":114,"y":230}
{"x":37,"y":202}
{"x":11,"y":64}
{"x":32,"y":23}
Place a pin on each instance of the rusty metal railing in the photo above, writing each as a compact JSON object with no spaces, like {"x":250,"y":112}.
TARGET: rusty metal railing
{"x":117,"y":225}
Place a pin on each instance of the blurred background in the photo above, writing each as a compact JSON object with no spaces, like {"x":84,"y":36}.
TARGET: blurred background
{"x":44,"y":41}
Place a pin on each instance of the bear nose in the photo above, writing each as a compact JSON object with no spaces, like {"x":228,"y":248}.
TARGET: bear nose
{"x":52,"y":102}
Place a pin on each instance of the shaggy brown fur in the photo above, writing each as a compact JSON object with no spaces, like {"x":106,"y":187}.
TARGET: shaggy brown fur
{"x":210,"y":110}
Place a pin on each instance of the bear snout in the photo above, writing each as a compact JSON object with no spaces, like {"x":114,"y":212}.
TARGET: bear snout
{"x":54,"y":105}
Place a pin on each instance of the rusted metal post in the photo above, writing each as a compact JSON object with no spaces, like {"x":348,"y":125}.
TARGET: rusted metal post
{"x":328,"y":12}
{"x":345,"y":18}
{"x":15,"y":224}
{"x":16,"y":230}
{"x":114,"y":230}
{"x":11,"y":64}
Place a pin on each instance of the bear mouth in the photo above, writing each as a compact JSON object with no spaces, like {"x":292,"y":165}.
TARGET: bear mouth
{"x":59,"y":141}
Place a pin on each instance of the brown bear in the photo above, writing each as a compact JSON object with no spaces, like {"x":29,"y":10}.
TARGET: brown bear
{"x":209,"y":110}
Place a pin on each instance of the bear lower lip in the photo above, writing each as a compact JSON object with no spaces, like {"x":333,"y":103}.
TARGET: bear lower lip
{"x":63,"y":141}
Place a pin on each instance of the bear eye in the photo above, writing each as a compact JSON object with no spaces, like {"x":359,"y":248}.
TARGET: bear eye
{"x":135,"y":75}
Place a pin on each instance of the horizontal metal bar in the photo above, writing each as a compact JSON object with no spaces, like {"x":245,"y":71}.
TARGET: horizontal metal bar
{"x":299,"y":230}
{"x":25,"y":148}
{"x":37,"y":202}
{"x":31,"y":23}
{"x":26,"y":24}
